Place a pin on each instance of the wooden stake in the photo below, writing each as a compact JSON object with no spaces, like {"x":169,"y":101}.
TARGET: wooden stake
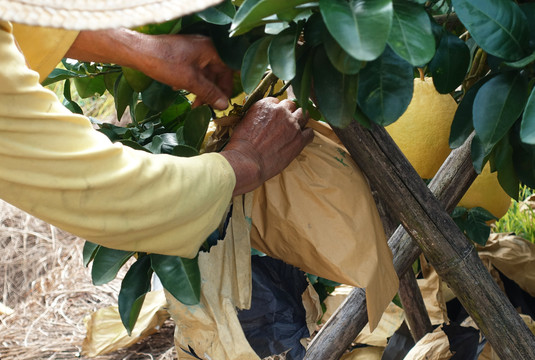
{"x":444,"y":245}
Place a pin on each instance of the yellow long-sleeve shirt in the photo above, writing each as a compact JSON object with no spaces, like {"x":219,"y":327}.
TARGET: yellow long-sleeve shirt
{"x":54,"y":165}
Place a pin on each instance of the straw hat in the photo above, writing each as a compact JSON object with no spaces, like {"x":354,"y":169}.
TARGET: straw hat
{"x":97,"y":14}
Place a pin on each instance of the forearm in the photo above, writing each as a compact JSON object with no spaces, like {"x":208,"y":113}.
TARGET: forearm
{"x":116,"y":46}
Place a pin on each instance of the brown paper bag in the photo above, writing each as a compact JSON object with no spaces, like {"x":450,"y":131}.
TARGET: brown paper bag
{"x":211,"y":328}
{"x":514,"y":257}
{"x":319,"y":215}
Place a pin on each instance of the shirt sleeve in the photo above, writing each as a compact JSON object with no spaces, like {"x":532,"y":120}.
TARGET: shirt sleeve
{"x":54,"y":165}
{"x":43,"y":47}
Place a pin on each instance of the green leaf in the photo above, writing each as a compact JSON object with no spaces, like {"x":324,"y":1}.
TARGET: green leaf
{"x":123,"y":95}
{"x":195,"y":126}
{"x":336,"y":93}
{"x":252,"y":13}
{"x":155,"y":146}
{"x":135,"y":285}
{"x":527,"y":127}
{"x":497,"y":105}
{"x":476,"y":229}
{"x":498,"y":26}
{"x":221,"y":14}
{"x":303,"y":78}
{"x":522,"y":62}
{"x":89,"y":251}
{"x":479,"y":154}
{"x":450,"y":63}
{"x":361,"y":27}
{"x":136,"y":79}
{"x":89,"y":86}
{"x":180,"y":276}
{"x":385,"y":88}
{"x":341,"y":60}
{"x":184,"y":151}
{"x":159,"y":96}
{"x":60,"y":74}
{"x":463,"y":125}
{"x":107,"y":263}
{"x":68,"y":102}
{"x":281,"y":53}
{"x":503,"y":161}
{"x":255,"y":62}
{"x":133,"y":145}
{"x":411,"y":36}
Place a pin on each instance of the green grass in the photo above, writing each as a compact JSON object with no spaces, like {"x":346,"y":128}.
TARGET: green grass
{"x":521,"y":222}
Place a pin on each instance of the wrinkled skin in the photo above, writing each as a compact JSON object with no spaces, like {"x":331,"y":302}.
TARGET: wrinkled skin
{"x":270,"y":135}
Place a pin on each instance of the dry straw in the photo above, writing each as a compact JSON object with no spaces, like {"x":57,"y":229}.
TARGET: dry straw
{"x":42,"y":278}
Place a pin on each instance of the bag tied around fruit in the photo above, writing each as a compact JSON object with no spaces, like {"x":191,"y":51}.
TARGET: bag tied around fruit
{"x":319,"y":215}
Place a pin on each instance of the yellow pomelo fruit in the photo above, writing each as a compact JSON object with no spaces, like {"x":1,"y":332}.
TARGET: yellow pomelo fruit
{"x":423,"y":131}
{"x":487,"y":193}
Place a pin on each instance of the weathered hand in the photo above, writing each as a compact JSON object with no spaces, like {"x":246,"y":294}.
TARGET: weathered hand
{"x":269,"y":137}
{"x":187,"y":62}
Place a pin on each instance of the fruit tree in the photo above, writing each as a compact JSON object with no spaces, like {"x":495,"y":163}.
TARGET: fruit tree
{"x":353,"y":63}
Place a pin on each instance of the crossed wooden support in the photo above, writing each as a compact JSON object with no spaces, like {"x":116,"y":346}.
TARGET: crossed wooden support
{"x":428,"y":227}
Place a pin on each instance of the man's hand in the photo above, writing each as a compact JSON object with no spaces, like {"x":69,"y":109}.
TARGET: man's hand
{"x":269,"y":137}
{"x":181,"y":61}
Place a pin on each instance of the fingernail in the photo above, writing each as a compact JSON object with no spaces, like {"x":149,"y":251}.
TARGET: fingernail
{"x":221,"y":103}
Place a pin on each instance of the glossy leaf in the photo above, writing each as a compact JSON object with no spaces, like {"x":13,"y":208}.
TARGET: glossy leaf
{"x":498,"y":26}
{"x":303,"y":79}
{"x":159,"y":96}
{"x":336,"y":93}
{"x":107,"y":263}
{"x":90,"y":86}
{"x":411,"y":36}
{"x":361,"y":27}
{"x":135,"y":285}
{"x":476,"y":228}
{"x":504,"y":164}
{"x":184,"y":151}
{"x":255,"y":62}
{"x":60,"y":74}
{"x":195,"y":126}
{"x":89,"y":251}
{"x":527,"y":127}
{"x":252,"y":12}
{"x":155,"y":146}
{"x":221,"y":14}
{"x":281,"y":53}
{"x":180,"y":276}
{"x":529,"y":11}
{"x":340,"y":59}
{"x":123,"y":95}
{"x":450,"y":63}
{"x":478,"y":154}
{"x":385,"y":88}
{"x":67,"y":101}
{"x":168,"y":27}
{"x":524,"y":160}
{"x":522,"y":62}
{"x":497,"y":105}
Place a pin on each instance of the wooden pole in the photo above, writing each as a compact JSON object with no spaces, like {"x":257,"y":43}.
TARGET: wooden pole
{"x":444,"y":245}
{"x":450,"y":183}
{"x":413,"y":304}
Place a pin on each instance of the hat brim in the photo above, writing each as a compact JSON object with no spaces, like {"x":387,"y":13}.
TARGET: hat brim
{"x":98,"y":14}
